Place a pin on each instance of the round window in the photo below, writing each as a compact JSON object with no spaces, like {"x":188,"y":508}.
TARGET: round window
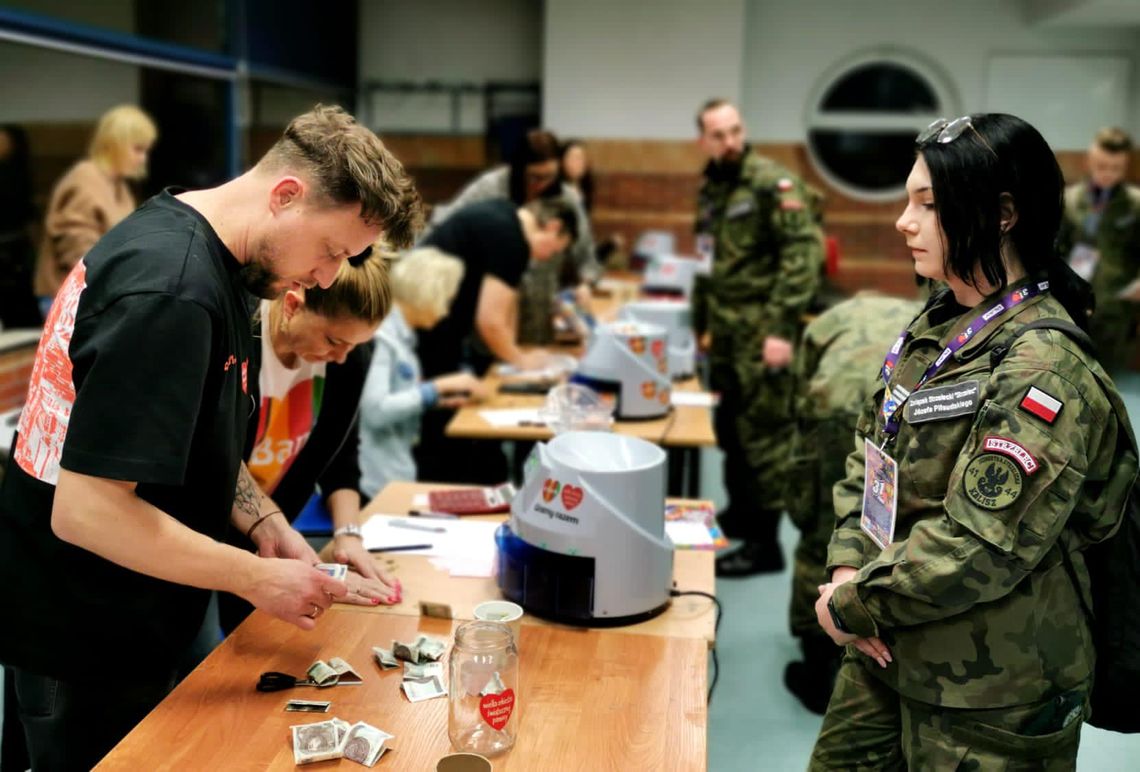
{"x":864,"y":118}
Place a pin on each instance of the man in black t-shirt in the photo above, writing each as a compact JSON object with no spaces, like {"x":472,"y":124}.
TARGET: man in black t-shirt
{"x":496,"y":240}
{"x":126,"y":470}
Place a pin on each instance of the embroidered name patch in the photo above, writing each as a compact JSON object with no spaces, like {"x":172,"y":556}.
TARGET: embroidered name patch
{"x":942,"y":402}
{"x":1014,"y":450}
{"x":1042,"y":405}
{"x":992,"y":481}
{"x":740,"y":208}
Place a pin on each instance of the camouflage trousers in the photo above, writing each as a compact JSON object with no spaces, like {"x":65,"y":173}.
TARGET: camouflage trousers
{"x":869,"y":726}
{"x":754,"y":429}
{"x":809,"y":571}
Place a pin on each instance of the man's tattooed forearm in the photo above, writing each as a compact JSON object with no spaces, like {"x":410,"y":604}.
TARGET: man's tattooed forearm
{"x":247,"y":497}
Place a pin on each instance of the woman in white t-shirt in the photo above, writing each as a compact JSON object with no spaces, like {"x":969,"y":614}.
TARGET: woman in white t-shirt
{"x":303,"y":434}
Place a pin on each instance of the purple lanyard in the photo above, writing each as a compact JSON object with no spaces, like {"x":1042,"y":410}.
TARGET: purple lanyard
{"x":895,"y":397}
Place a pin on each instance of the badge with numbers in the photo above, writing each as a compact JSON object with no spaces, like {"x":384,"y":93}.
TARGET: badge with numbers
{"x":992,"y":481}
{"x":880,"y":495}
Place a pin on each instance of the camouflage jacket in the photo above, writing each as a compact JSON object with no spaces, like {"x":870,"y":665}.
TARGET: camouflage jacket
{"x":1117,"y":237}
{"x":972,"y":596}
{"x":768,"y":254}
{"x":837,"y":369}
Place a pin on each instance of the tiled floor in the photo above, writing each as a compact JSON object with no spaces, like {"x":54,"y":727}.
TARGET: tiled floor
{"x":754,"y":723}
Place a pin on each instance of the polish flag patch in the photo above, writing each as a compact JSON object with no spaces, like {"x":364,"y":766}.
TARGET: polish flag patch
{"x":1014,"y":450}
{"x":1043,"y":405}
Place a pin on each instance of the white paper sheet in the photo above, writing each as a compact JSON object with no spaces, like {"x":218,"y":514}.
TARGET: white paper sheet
{"x":693,"y":398}
{"x":510,"y":416}
{"x":688,"y":533}
{"x":464,"y":547}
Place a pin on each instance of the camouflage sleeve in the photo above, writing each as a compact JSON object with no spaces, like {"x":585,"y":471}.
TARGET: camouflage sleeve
{"x":800,"y":243}
{"x":701,"y":283}
{"x":1010,"y":493}
{"x":850,"y":546}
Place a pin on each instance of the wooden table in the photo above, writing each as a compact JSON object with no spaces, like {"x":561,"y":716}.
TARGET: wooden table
{"x":468,"y":424}
{"x":687,"y":617}
{"x":588,"y":700}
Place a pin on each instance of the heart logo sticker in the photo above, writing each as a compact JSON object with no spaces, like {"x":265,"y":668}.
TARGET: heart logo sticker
{"x":571,"y":496}
{"x":496,"y":709}
{"x":658,"y":348}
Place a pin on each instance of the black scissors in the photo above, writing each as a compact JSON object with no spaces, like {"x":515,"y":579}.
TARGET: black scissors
{"x":276,"y":682}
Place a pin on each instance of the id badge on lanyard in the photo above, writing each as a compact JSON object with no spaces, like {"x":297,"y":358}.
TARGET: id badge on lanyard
{"x":880,"y":472}
{"x":880,"y":495}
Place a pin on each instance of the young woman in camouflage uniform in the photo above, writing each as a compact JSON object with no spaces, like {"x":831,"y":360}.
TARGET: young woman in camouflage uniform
{"x":967,"y":643}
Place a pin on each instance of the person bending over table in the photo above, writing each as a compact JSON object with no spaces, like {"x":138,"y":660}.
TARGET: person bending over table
{"x":424,"y":283}
{"x":127,"y":465}
{"x":303,"y":435}
{"x":495,"y":240}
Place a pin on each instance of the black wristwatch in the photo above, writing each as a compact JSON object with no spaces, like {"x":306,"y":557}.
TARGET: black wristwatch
{"x":835,"y":618}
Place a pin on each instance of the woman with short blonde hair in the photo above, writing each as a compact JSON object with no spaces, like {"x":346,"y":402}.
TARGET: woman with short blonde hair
{"x":424,"y":284}
{"x":93,"y":196}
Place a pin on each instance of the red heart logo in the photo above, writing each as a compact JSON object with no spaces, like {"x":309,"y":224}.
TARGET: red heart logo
{"x":496,"y":709}
{"x":658,"y":348}
{"x":571,"y":496}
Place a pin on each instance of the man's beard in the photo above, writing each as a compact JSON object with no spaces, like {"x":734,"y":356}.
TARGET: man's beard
{"x":257,"y":277}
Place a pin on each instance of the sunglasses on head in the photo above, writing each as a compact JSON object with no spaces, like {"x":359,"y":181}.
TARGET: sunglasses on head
{"x":944,"y":131}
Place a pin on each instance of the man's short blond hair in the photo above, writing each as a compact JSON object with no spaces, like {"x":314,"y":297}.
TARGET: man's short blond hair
{"x":346,"y":163}
{"x":427,"y":278}
{"x":1112,"y":139}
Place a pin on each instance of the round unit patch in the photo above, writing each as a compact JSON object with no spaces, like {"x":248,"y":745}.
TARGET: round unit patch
{"x":992,"y":481}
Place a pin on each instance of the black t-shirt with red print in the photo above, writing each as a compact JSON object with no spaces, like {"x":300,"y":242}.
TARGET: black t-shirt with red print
{"x":142,"y":375}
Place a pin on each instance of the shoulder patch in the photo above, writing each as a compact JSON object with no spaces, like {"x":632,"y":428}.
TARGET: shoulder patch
{"x":1014,"y":450}
{"x":1041,"y":405}
{"x":992,"y":481}
{"x":740,"y":208}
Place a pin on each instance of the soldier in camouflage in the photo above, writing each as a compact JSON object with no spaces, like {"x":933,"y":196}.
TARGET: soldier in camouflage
{"x":967,"y":642}
{"x":1100,"y":237}
{"x":836,"y":371}
{"x":756,"y":218}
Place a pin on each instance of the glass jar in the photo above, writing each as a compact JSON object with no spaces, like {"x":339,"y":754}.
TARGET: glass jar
{"x":483,"y":710}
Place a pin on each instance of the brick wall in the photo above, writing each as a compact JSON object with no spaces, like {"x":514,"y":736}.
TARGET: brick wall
{"x":652,"y":184}
{"x":15,"y":371}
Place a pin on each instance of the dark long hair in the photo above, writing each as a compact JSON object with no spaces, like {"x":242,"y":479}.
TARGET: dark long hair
{"x":1003,"y":154}
{"x":539,"y":145}
{"x":586,"y":184}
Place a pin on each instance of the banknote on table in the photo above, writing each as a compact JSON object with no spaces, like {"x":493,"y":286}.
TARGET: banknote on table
{"x":431,"y":609}
{"x":420,"y":689}
{"x":425,"y":670}
{"x":405,"y":651}
{"x":385,"y":658}
{"x":342,"y":728}
{"x":430,"y":648}
{"x":317,"y":742}
{"x":364,"y":744}
{"x":322,"y":674}
{"x":307,"y":706}
{"x":344,"y":672}
{"x":335,"y":570}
